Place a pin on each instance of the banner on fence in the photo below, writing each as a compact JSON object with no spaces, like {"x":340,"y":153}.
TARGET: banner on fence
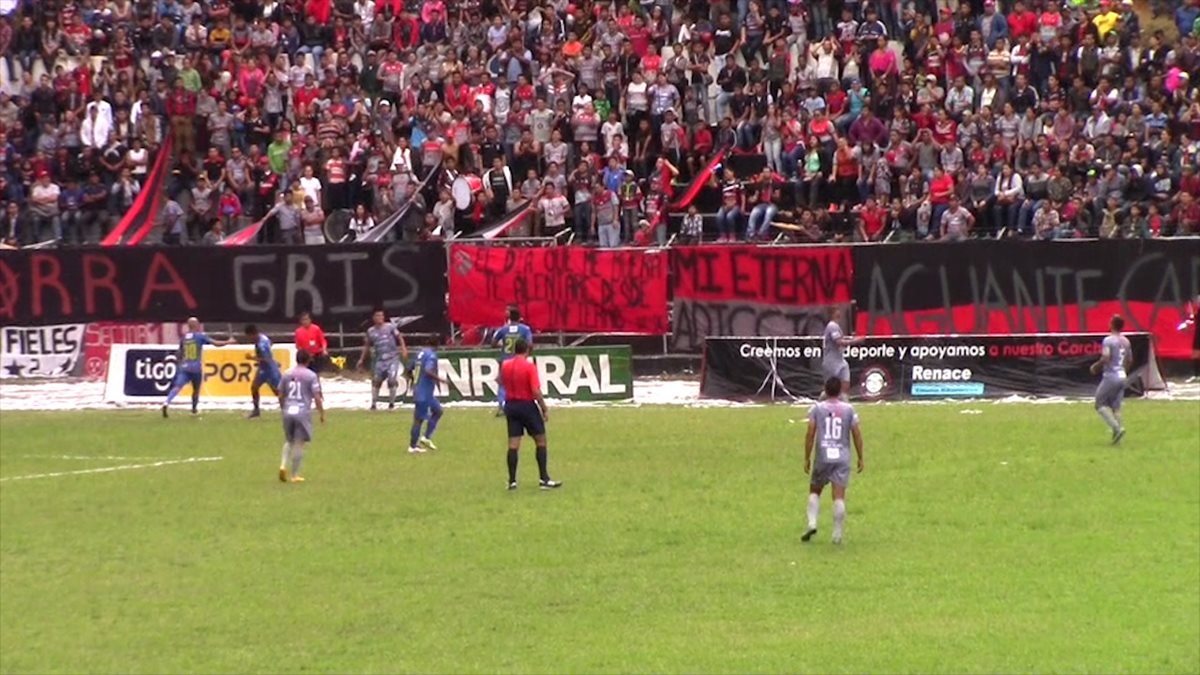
{"x":756,"y":290}
{"x":574,"y":373}
{"x":40,"y":351}
{"x":100,"y":336}
{"x":569,"y":288}
{"x":989,"y":287}
{"x":892,"y":368}
{"x":144,"y":373}
{"x":241,"y":283}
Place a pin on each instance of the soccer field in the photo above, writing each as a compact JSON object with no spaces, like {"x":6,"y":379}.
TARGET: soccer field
{"x":981,"y":538}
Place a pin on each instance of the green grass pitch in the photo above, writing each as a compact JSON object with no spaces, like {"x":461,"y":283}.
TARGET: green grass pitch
{"x":1012,"y":539}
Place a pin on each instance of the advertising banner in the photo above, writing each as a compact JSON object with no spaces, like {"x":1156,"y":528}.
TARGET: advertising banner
{"x":568,"y":288}
{"x":895,"y":368}
{"x":40,"y":351}
{"x":263,"y":284}
{"x":567,"y":373}
{"x":144,"y":373}
{"x":756,"y":290}
{"x":100,"y":336}
{"x":1020,"y":287}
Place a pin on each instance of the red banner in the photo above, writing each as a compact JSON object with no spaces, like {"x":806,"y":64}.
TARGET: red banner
{"x":569,"y":288}
{"x":769,"y":275}
{"x":100,"y":336}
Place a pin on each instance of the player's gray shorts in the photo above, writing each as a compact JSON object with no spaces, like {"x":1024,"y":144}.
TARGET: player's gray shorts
{"x":823,"y":474}
{"x":387,"y":370}
{"x":839,"y":370}
{"x":1110,"y":393}
{"x":297,"y":428}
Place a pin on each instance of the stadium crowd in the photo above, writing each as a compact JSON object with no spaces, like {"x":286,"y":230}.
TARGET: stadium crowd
{"x":928,"y":119}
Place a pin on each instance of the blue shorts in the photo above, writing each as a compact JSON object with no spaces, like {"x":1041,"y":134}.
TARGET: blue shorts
{"x":183,"y":377}
{"x":425,"y":409}
{"x":523,"y":417}
{"x":269,"y":375}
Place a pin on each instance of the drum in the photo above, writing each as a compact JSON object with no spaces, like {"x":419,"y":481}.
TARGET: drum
{"x":465,"y":189}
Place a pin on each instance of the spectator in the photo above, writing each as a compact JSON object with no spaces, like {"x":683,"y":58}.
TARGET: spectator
{"x":45,"y":222}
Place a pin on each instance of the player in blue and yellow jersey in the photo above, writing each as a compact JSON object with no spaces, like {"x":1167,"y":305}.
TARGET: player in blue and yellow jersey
{"x":506,"y":338}
{"x":190,"y":365}
{"x":267,"y":373}
{"x":426,"y":409}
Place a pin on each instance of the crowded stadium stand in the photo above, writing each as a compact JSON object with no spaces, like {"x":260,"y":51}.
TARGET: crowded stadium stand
{"x":234,"y":121}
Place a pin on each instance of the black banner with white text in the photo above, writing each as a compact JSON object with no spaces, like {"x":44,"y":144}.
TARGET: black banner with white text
{"x":929,"y":367}
{"x":246,"y":283}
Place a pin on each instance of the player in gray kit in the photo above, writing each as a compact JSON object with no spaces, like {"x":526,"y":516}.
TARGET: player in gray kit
{"x":832,"y":422}
{"x":1115,"y":358}
{"x":833,"y":361}
{"x":385,"y":340}
{"x":299,"y":392}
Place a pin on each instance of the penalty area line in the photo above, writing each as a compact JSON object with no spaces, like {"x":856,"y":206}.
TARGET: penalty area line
{"x":110,"y":469}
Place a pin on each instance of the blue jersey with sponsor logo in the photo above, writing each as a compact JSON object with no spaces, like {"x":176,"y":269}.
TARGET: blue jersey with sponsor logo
{"x":262,"y":351}
{"x":191,"y":351}
{"x":507,"y":336}
{"x":427,"y":362}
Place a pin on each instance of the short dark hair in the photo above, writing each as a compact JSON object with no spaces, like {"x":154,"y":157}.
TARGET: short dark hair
{"x":833,"y":387}
{"x":1117,"y":322}
{"x":514,"y":313}
{"x":434,"y":340}
{"x":521,"y":347}
{"x":251,"y":329}
{"x":303,"y":357}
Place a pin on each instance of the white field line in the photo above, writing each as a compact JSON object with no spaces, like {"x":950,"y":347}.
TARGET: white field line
{"x":88,"y":458}
{"x":109,"y":469}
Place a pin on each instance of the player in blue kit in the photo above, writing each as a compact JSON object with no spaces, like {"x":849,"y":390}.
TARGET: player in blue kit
{"x":426,"y":409}
{"x":190,"y":369}
{"x":1116,"y":356}
{"x":267,"y":373}
{"x":506,"y":337}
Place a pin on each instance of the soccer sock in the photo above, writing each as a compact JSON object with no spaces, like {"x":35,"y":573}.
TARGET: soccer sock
{"x":1117,"y":416}
{"x":297,"y":457}
{"x":374,"y":393}
{"x":172,"y":394}
{"x":1106,"y":414}
{"x":392,"y":388}
{"x":512,"y":465}
{"x":541,"y":460}
{"x":814,"y":508}
{"x":431,"y":426}
{"x":285,"y":455}
{"x":839,"y":517}
{"x":254,"y":396}
{"x":195,"y":399}
{"x":415,"y":434}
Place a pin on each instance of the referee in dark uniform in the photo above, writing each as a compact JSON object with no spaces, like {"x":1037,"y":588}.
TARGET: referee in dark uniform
{"x":526,"y":412}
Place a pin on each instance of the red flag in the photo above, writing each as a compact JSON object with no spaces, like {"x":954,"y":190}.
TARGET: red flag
{"x":245,"y":235}
{"x":144,"y":213}
{"x":698,"y":182}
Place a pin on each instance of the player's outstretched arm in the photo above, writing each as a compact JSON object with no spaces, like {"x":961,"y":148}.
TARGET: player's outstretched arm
{"x":809,"y":437}
{"x":856,"y":434}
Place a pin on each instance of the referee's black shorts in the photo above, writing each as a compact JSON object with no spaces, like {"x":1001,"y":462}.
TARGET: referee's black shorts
{"x":523,"y":417}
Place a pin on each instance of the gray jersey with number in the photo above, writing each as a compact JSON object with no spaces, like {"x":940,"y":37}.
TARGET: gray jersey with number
{"x":834,"y":419}
{"x":831,"y":352}
{"x":384,"y":341}
{"x":1117,"y":347}
{"x":300,"y":387}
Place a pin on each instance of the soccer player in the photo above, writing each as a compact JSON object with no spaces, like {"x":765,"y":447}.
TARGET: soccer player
{"x":388,"y":344}
{"x":268,"y":369}
{"x":526,"y":412}
{"x":190,"y":368}
{"x":299,"y":391}
{"x":426,"y":408}
{"x":311,"y":339}
{"x":833,"y":361}
{"x":506,"y":338}
{"x":1115,"y":358}
{"x":836,"y":422}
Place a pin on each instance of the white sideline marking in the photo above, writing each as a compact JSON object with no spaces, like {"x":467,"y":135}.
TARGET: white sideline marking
{"x":105,"y":458}
{"x":107,"y":469}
